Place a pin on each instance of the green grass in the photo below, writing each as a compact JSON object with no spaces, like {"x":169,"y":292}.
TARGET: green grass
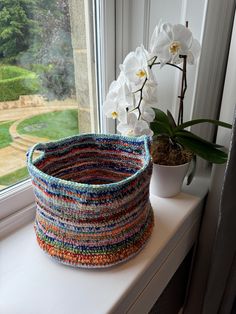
{"x":5,"y":137}
{"x":56,"y":124}
{"x":14,"y":177}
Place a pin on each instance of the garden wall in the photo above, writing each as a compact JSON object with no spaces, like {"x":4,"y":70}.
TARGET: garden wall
{"x":23,"y":102}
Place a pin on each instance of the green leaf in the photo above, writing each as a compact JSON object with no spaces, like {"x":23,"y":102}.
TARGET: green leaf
{"x":203,"y":150}
{"x":190,"y":135}
{"x":197,"y":121}
{"x":160,"y":116}
{"x":162,"y":120}
{"x":160,"y":128}
{"x":171,"y":119}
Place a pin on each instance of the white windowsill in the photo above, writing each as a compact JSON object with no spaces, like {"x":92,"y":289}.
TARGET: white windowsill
{"x":31,"y":282}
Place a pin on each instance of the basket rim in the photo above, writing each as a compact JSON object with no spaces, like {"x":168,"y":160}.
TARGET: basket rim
{"x":85,"y":186}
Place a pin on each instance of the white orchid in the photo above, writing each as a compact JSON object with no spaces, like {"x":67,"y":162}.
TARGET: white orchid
{"x":134,"y":126}
{"x":118,"y":100}
{"x":194,"y":52}
{"x":153,"y":41}
{"x":169,"y":42}
{"x":133,"y":95}
{"x":147,"y":113}
{"x":114,"y":110}
{"x":135,"y":67}
{"x":150,"y":94}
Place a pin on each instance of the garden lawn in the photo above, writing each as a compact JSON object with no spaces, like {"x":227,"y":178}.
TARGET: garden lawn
{"x":5,"y":137}
{"x":52,"y":125}
{"x":14,"y":177}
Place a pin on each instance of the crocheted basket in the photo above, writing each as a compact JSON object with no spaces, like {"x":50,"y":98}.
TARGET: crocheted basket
{"x":92,"y":196}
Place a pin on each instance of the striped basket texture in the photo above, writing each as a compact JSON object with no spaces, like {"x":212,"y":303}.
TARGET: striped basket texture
{"x":92,"y":196}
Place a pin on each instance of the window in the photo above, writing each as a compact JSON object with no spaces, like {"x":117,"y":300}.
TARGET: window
{"x":47,"y":87}
{"x":55,"y":69}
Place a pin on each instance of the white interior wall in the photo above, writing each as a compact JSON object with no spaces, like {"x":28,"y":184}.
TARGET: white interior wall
{"x":229,"y":95}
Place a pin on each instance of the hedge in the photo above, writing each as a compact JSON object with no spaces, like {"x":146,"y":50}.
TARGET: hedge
{"x":16,"y":81}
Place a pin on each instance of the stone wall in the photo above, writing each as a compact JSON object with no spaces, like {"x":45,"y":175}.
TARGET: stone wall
{"x":23,"y":102}
{"x":84,"y":79}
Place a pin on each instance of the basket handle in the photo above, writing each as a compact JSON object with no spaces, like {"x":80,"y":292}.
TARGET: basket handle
{"x":30,"y":153}
{"x":147,"y":141}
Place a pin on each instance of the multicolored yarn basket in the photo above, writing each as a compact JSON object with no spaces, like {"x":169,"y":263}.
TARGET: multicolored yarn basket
{"x":92,"y":196}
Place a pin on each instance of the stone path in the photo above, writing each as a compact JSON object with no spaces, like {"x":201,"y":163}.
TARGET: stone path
{"x":20,"y":113}
{"x":14,"y":158}
{"x":11,"y":160}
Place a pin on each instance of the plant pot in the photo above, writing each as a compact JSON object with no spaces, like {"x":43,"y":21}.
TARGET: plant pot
{"x":166,"y":181}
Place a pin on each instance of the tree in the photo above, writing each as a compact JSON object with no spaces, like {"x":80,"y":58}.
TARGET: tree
{"x":50,"y":53}
{"x":36,"y":34}
{"x":15,"y":28}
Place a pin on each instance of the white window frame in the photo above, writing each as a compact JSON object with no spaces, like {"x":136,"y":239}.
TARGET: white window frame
{"x":105,"y":56}
{"x":15,"y":197}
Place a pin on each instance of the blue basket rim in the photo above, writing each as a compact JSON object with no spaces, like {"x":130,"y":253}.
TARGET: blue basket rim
{"x":85,"y":186}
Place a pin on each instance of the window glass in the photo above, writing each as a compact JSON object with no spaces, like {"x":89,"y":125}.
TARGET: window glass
{"x":46,"y":78}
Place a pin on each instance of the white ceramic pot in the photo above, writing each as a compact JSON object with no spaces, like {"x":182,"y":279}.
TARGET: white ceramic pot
{"x":166,"y":181}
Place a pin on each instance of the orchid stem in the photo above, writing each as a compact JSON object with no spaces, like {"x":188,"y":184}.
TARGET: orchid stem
{"x":183,"y":87}
{"x":171,"y":64}
{"x":183,"y":90}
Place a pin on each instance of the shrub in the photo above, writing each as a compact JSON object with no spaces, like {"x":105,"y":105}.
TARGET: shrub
{"x":57,"y":80}
{"x":16,"y":81}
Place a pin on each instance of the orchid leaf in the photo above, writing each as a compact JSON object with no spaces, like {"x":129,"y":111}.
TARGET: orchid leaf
{"x":190,"y":135}
{"x":171,"y":119}
{"x":203,"y":150}
{"x":159,"y":128}
{"x":161,"y":123}
{"x":197,"y":121}
{"x":160,"y":116}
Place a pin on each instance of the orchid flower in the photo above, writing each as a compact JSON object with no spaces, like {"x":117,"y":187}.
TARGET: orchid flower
{"x":114,"y":110}
{"x":150,"y":94}
{"x":194,"y":52}
{"x":132,"y":97}
{"x":118,"y":100}
{"x":147,"y":113}
{"x":135,"y":67}
{"x":134,"y":126}
{"x":169,"y":42}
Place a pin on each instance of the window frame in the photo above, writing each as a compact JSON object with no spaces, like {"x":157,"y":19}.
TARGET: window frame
{"x":17,"y":207}
{"x":15,"y":198}
{"x":105,"y":56}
